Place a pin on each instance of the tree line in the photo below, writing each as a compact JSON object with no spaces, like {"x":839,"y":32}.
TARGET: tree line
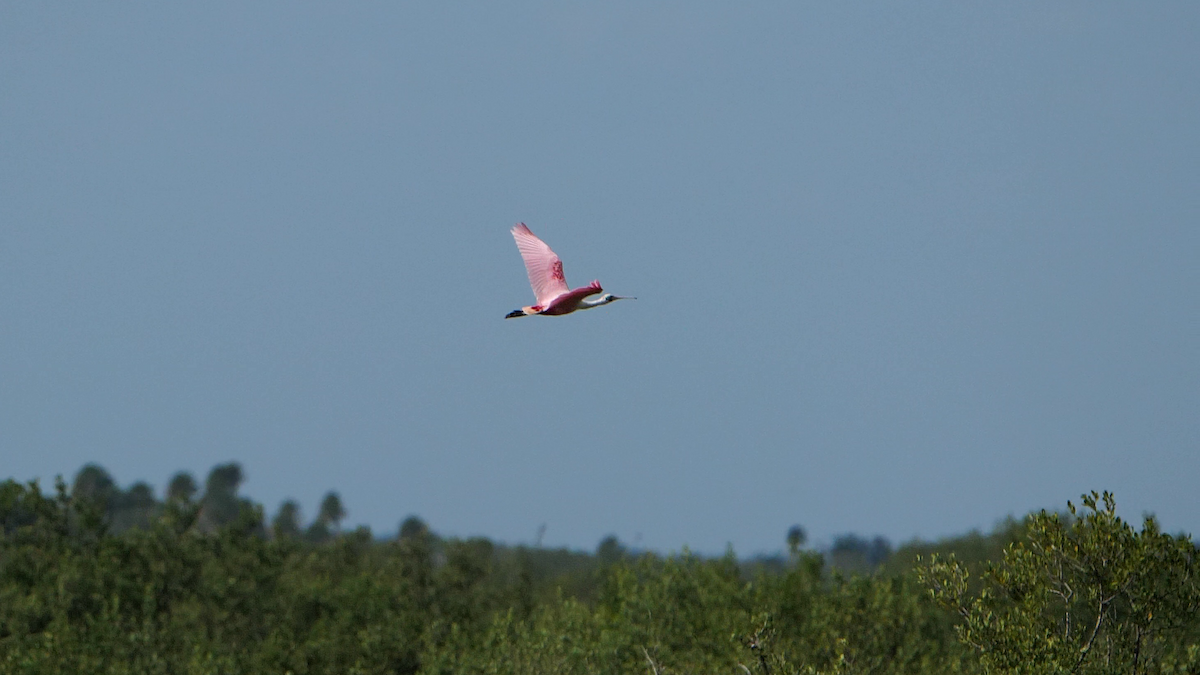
{"x":219,"y":504}
{"x":98,"y":578}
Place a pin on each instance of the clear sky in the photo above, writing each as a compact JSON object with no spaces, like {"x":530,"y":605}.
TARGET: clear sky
{"x":902,"y":268}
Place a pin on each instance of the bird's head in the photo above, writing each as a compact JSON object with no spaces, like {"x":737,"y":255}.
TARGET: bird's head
{"x":609,"y":297}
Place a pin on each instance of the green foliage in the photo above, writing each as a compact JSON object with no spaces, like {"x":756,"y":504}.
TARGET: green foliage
{"x":94,"y":484}
{"x":332,"y":512}
{"x":287,"y":521}
{"x":853,"y":553}
{"x":182,"y":487}
{"x":1080,"y":594}
{"x":220,"y":504}
{"x":687,"y":614}
{"x":85,"y":589}
{"x":974,"y":549}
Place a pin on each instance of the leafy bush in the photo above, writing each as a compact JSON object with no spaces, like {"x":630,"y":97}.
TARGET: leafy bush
{"x":1081,"y":595}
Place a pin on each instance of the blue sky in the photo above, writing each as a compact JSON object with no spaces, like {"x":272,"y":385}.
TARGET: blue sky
{"x":901,"y":269}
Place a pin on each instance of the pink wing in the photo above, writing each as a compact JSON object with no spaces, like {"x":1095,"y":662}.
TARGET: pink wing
{"x":544,"y":268}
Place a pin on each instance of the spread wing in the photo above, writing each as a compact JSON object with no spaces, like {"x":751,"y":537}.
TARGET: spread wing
{"x":544,"y":268}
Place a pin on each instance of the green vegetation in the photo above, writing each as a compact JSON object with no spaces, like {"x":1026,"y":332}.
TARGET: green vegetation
{"x":98,"y":579}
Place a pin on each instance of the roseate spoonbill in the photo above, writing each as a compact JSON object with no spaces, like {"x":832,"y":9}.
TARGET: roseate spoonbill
{"x":546,"y":276}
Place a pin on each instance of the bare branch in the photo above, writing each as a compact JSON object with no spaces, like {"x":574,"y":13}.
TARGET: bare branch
{"x":654,"y":668}
{"x":1095,"y":629}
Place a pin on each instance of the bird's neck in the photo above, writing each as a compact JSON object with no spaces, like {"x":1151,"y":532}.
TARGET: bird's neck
{"x":588,"y":304}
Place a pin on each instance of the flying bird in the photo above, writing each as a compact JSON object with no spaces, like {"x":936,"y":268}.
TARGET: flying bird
{"x":549,"y":286}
